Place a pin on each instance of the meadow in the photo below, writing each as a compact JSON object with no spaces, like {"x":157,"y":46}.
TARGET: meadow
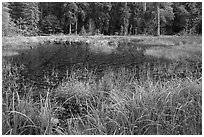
{"x":102,"y":85}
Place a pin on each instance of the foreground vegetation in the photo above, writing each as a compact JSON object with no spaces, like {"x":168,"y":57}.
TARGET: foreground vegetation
{"x":148,"y":97}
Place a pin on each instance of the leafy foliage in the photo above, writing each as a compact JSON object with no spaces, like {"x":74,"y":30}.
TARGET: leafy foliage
{"x":107,"y":18}
{"x":51,"y":24}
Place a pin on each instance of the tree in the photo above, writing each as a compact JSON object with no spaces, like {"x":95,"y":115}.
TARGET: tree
{"x":31,"y":16}
{"x":6,"y":19}
{"x":120,"y":15}
{"x":69,"y":18}
{"x":144,"y":7}
{"x":26,"y":17}
{"x":83,"y":8}
{"x":181,"y":15}
{"x":51,"y":14}
{"x":158,"y":19}
{"x":103,"y":17}
{"x":144,"y":4}
{"x":194,"y":21}
{"x":51,"y":24}
{"x":56,"y":9}
{"x":136,"y":18}
{"x":125,"y":15}
{"x":115,"y":19}
{"x":163,"y":14}
{"x":100,"y":13}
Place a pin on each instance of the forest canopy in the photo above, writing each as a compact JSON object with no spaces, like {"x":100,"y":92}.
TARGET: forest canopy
{"x":106,"y":18}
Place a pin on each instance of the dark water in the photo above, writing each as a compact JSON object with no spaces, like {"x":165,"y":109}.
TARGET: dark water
{"x":63,"y":57}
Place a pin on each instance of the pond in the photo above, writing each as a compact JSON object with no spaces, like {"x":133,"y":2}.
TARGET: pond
{"x":62,"y":56}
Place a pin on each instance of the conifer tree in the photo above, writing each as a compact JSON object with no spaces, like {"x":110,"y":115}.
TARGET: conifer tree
{"x":6,"y":19}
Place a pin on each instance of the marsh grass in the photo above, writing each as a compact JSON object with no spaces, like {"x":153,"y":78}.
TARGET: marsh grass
{"x":99,"y":89}
{"x":155,"y":99}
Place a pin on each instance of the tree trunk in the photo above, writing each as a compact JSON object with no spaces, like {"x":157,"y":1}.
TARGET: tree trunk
{"x":144,"y":4}
{"x":41,"y":13}
{"x":70,"y":28}
{"x":158,"y":19}
{"x":126,"y":20}
{"x":76,"y":27}
{"x":144,"y":7}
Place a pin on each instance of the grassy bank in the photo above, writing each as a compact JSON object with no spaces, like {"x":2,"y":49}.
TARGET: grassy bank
{"x":102,"y":86}
{"x":118,"y":103}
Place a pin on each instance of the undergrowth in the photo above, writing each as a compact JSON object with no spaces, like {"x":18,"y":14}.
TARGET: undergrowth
{"x":155,"y":99}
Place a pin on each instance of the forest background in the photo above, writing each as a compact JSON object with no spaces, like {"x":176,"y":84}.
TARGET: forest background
{"x":106,"y":18}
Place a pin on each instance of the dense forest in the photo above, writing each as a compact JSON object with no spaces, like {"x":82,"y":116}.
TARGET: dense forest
{"x":107,"y":18}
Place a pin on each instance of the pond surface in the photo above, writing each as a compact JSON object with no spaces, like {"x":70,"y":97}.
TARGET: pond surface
{"x":60,"y":56}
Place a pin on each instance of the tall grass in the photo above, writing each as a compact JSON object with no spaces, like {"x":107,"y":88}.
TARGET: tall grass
{"x":155,"y":99}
